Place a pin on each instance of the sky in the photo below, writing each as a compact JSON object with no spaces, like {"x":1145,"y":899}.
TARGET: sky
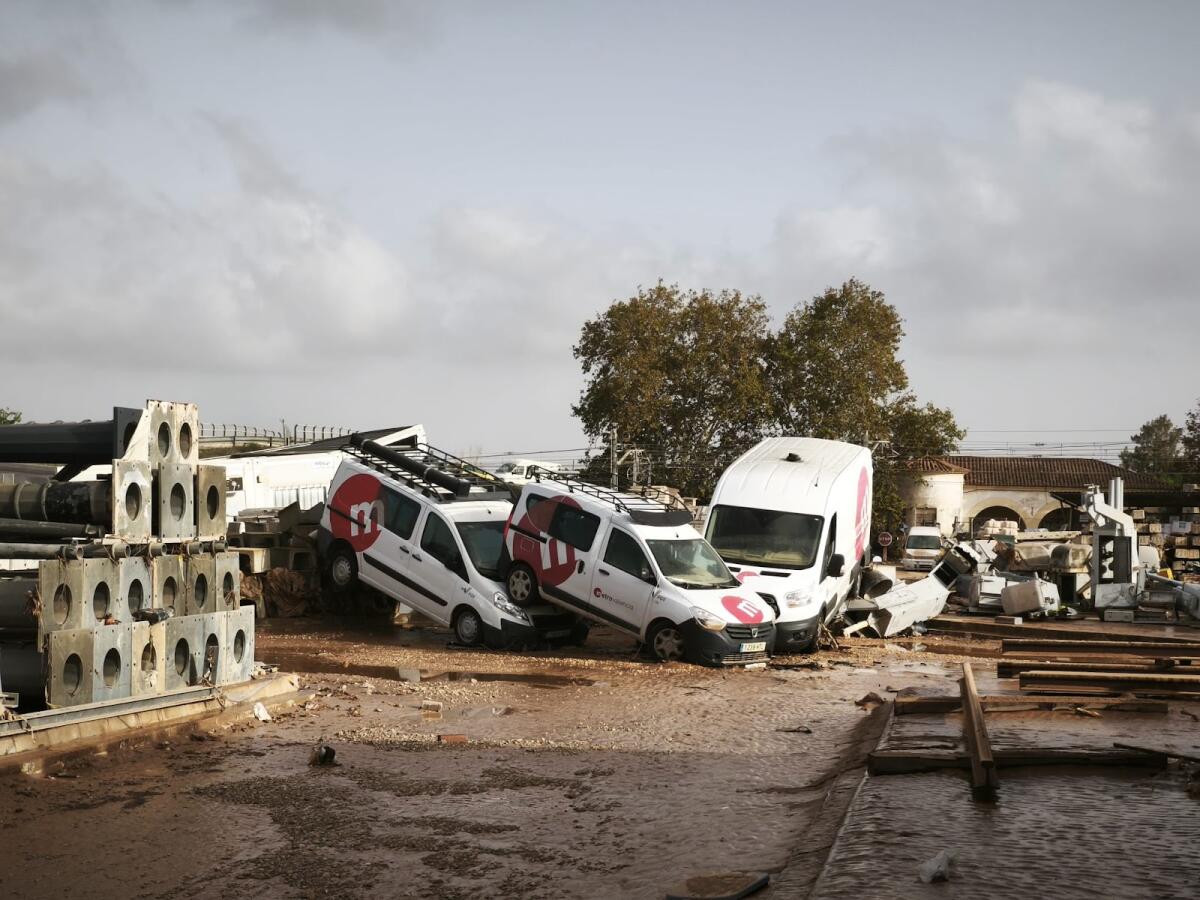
{"x":368,"y":213}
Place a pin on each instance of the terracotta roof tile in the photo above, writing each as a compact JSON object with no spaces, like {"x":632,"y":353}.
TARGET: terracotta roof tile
{"x":1048,"y":472}
{"x":932,"y":465}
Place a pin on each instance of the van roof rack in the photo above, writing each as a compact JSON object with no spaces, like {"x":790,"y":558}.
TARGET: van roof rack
{"x":643,"y":509}
{"x":436,"y":474}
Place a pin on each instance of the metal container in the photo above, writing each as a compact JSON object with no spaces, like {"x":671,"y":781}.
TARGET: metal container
{"x":112,"y":651}
{"x":69,"y":667}
{"x":77,"y":593}
{"x":200,"y":578}
{"x":174,"y":502}
{"x":184,"y":649}
{"x":136,"y":589}
{"x":149,"y":661}
{"x":210,"y":503}
{"x":132,"y":495}
{"x":174,"y":432}
{"x":228,"y":580}
{"x":213,"y":648}
{"x":169,"y":587}
{"x":238,"y":660}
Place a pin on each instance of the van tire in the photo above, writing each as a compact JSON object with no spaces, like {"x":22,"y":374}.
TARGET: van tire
{"x":522,"y":585}
{"x":468,"y":627}
{"x":664,"y":641}
{"x":341,"y":568}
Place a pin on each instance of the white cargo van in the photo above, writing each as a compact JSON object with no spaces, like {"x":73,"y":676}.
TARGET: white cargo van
{"x":922,"y":548}
{"x":519,"y":471}
{"x":427,"y":530}
{"x":792,"y":517}
{"x":637,"y":565}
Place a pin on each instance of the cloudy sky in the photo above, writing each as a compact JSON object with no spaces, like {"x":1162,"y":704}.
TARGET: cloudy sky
{"x":371,"y":212}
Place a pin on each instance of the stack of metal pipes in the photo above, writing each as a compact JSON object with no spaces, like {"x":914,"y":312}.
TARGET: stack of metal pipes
{"x":126,"y":587}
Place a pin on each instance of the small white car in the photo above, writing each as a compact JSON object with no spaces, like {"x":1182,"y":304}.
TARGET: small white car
{"x":637,"y":565}
{"x":436,"y":550}
{"x":922,"y":548}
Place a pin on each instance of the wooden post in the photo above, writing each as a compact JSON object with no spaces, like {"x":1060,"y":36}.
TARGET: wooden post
{"x":979,"y":746}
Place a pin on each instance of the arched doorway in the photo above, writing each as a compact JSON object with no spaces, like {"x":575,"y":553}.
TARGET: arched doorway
{"x":1061,"y":519}
{"x":996,"y":512}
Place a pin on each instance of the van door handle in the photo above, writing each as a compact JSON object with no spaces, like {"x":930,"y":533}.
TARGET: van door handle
{"x":404,"y":549}
{"x":579,"y":568}
{"x":602,"y":571}
{"x":417,"y":558}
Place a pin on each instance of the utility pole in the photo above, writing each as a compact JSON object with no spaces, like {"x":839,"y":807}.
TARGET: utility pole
{"x":613,"y":456}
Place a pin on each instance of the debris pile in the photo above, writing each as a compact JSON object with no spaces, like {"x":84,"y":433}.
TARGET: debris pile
{"x":134,"y":592}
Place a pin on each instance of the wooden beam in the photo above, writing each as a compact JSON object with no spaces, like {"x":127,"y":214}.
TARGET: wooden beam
{"x":1158,"y":649}
{"x":917,"y":705}
{"x":1110,"y":680}
{"x":901,"y":762}
{"x":983,"y":765}
{"x":1163,"y":751}
{"x":1011,"y":668}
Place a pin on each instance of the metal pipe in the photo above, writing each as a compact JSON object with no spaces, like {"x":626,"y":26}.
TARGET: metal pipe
{"x":115,"y":550}
{"x":20,"y":528}
{"x":84,"y":443}
{"x":456,"y":486}
{"x":75,"y":502}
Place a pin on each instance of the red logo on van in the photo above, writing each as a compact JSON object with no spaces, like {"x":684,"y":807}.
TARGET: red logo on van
{"x":554,"y":560}
{"x":743,"y":609}
{"x":861,"y":524}
{"x":356,"y":512}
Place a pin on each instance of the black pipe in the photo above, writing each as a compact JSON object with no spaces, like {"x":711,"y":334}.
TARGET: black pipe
{"x":15,"y":550}
{"x":83,"y":443}
{"x":75,"y":502}
{"x":456,"y":486}
{"x":21,"y":528}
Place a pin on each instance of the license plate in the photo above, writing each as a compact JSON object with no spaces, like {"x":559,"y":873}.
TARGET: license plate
{"x":756,"y":647}
{"x":558,"y":634}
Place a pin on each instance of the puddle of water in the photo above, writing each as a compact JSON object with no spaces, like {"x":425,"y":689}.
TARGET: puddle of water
{"x":320,"y":665}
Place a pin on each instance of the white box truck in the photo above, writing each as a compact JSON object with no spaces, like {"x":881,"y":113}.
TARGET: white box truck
{"x":792,"y":518}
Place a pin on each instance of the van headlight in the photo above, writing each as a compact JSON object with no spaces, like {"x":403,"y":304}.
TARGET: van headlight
{"x":796,"y":599}
{"x":505,"y":605}
{"x":707,"y":620}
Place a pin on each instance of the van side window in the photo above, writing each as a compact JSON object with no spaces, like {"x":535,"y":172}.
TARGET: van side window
{"x":830,"y":547}
{"x":400,"y":512}
{"x":624,"y":553}
{"x":438,"y":541}
{"x":574,"y":526}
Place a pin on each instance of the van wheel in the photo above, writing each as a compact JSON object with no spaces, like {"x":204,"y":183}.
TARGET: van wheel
{"x":522,"y":585}
{"x":665,"y":642}
{"x":341,"y":567}
{"x":468,"y":628}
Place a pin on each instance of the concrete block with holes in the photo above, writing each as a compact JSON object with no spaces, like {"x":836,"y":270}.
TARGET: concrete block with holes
{"x":112,"y":648}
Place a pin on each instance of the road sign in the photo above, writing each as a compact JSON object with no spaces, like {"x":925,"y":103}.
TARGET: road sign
{"x":884,"y":539}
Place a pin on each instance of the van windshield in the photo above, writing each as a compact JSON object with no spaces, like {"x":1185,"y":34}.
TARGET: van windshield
{"x":691,"y":564}
{"x":924,"y":542}
{"x":764,"y":537}
{"x":483,"y":541}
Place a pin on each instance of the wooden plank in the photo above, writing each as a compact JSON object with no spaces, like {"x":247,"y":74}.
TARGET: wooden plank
{"x":1112,"y":679}
{"x":1158,"y":649}
{"x":901,"y":762}
{"x":1011,"y":668}
{"x":983,"y":765}
{"x":918,"y":705}
{"x":1164,"y":751}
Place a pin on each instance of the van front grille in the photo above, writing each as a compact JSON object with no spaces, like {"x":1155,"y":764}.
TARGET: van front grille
{"x":762,"y":632}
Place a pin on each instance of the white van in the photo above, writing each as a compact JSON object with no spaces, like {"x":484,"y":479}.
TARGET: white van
{"x":637,"y":565}
{"x":520,"y":471}
{"x":922,"y":548}
{"x":792,"y":517}
{"x":432,"y":540}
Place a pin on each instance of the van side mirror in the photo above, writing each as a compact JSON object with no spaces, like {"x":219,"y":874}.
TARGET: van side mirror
{"x":647,"y":574}
{"x":837,"y":565}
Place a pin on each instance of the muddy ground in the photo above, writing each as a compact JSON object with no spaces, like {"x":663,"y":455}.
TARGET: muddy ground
{"x":585,"y":774}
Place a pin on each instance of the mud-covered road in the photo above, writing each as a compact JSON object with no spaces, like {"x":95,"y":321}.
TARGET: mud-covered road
{"x":585,"y":774}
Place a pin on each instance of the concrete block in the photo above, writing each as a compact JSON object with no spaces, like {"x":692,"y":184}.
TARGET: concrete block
{"x":135,"y":588}
{"x":111,"y":661}
{"x":200,"y":577}
{"x":170,"y":589}
{"x":237,"y":663}
{"x":210,"y":503}
{"x":228,"y":580}
{"x":185,"y":648}
{"x":1117,"y":615}
{"x":174,"y":502}
{"x":77,"y":593}
{"x":149,"y":661}
{"x":132,"y":496}
{"x":69,"y":667}
{"x":1026,"y":597}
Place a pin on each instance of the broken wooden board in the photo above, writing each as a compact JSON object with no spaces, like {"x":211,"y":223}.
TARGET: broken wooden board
{"x":1011,"y":668}
{"x":1084,"y":682}
{"x":1158,"y":649}
{"x":903,"y":762}
{"x":917,"y":705}
{"x":979,"y":745}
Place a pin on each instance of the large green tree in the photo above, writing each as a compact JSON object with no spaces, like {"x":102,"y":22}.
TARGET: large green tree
{"x":1191,"y":445}
{"x":1157,"y":449}
{"x":9,"y":416}
{"x":679,"y":373}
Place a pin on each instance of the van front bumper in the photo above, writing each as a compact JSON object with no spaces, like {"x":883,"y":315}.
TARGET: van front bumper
{"x":796,"y":636}
{"x":552,"y":632}
{"x":720,"y":648}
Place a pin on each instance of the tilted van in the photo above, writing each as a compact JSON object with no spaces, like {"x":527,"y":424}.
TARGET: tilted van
{"x":427,"y":529}
{"x":637,"y":565}
{"x":792,"y":518}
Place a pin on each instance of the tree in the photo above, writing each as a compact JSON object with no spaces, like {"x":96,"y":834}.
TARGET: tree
{"x":679,"y":373}
{"x":1156,"y":449}
{"x":9,"y":416}
{"x":1191,"y":444}
{"x":914,"y":431}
